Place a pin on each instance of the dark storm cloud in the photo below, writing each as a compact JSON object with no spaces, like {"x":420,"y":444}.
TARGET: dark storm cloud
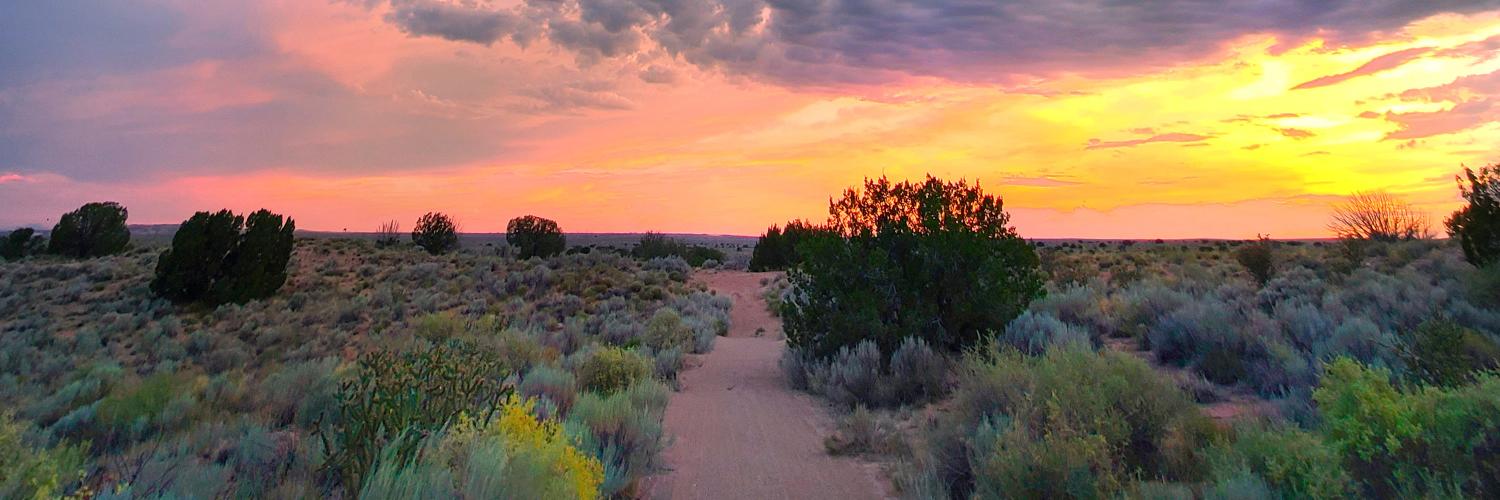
{"x":853,"y":41}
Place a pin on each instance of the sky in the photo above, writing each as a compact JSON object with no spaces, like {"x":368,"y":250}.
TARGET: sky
{"x":1091,"y":118}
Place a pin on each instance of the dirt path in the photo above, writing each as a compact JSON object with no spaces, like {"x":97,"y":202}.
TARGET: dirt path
{"x":740,"y":432}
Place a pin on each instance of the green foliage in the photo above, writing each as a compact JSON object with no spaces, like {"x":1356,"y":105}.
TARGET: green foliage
{"x":212,"y":260}
{"x":33,"y":472}
{"x":1070,"y":422}
{"x":256,"y":267}
{"x":94,"y":230}
{"x":415,"y":391}
{"x":535,"y":237}
{"x":1259,"y":259}
{"x":624,"y":431}
{"x":21,"y":243}
{"x":1476,"y":226}
{"x":655,"y":245}
{"x":777,"y":249}
{"x":667,"y":331}
{"x":1443,"y":353}
{"x":610,"y":369}
{"x":935,"y":260}
{"x":1295,"y":463}
{"x":436,"y":233}
{"x":140,"y":402}
{"x":1420,"y":442}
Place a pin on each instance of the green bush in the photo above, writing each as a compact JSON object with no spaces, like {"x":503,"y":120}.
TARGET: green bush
{"x":777,"y":249}
{"x":535,"y":237}
{"x":28,"y":471}
{"x":1476,"y":226}
{"x":1070,"y":422}
{"x":1443,"y":353}
{"x":95,"y":229}
{"x":21,"y":243}
{"x":212,"y":260}
{"x":609,"y":369}
{"x":935,"y":260}
{"x":1259,"y":259}
{"x":666,"y":330}
{"x":436,"y":233}
{"x":1295,"y":463}
{"x":655,"y":245}
{"x":624,"y":431}
{"x":393,"y":392}
{"x":1420,"y":442}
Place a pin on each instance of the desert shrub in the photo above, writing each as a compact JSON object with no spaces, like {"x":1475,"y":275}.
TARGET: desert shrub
{"x":21,"y":243}
{"x":31,"y":471}
{"x":1070,"y":422}
{"x":132,"y":411}
{"x":1034,"y":333}
{"x":777,"y":249}
{"x":301,"y":393}
{"x":554,"y":384}
{"x":1443,"y":353}
{"x":1424,"y":441}
{"x":212,"y":260}
{"x":624,"y":432}
{"x":610,"y":369}
{"x":392,"y":392}
{"x":666,"y":330}
{"x":1476,"y":226}
{"x":1259,"y":259}
{"x":389,"y":234}
{"x":917,"y":373}
{"x":796,"y":366}
{"x":676,"y":268}
{"x":1378,"y":216}
{"x":863,"y":431}
{"x":1083,"y":306}
{"x":436,"y":233}
{"x":94,"y":230}
{"x":535,"y":237}
{"x":1292,"y":462}
{"x":935,"y":260}
{"x":854,"y":377}
{"x":1363,"y":340}
{"x":514,"y":456}
{"x":439,"y":327}
{"x":655,"y":245}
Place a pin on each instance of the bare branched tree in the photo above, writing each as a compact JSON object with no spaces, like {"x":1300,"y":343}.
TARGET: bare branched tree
{"x":1378,"y":216}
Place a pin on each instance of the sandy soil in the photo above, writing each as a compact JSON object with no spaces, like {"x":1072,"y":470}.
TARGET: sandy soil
{"x":739,"y":432}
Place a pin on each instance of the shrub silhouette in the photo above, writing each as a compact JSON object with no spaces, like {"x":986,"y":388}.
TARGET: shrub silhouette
{"x":777,"y":249}
{"x":95,"y":229}
{"x":1443,"y":353}
{"x":213,"y":261}
{"x":1259,"y":259}
{"x":656,"y":245}
{"x":20,"y":243}
{"x":1378,"y":216}
{"x":935,"y":260}
{"x":535,"y":236}
{"x":389,"y":235}
{"x":1476,"y":226}
{"x":435,"y":233}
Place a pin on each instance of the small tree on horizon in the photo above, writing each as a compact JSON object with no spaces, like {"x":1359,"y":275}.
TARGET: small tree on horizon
{"x":94,"y":230}
{"x":1259,"y":259}
{"x":1476,"y":226}
{"x":1378,"y":216}
{"x":535,"y":236}
{"x":21,"y":243}
{"x":220,"y":257}
{"x":436,"y":233}
{"x":935,"y":260}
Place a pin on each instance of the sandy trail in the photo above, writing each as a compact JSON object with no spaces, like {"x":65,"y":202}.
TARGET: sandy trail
{"x":740,"y":432}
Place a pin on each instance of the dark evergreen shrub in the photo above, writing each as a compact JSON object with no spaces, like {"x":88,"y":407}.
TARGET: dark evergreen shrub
{"x":535,"y":237}
{"x":1443,"y":353}
{"x":93,"y":230}
{"x":212,"y":260}
{"x":435,"y":233}
{"x":256,"y":267}
{"x":21,"y":243}
{"x":655,"y":245}
{"x":777,"y":249}
{"x":935,"y":260}
{"x":1259,"y":259}
{"x":1476,"y":226}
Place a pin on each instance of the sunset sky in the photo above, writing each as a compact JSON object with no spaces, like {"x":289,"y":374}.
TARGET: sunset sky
{"x":1163,"y":118}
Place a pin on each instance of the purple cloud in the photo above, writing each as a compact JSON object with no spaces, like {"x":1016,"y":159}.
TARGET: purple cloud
{"x":1376,"y":65}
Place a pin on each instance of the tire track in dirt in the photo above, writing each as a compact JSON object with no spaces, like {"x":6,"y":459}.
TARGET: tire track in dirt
{"x":738,"y":430}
